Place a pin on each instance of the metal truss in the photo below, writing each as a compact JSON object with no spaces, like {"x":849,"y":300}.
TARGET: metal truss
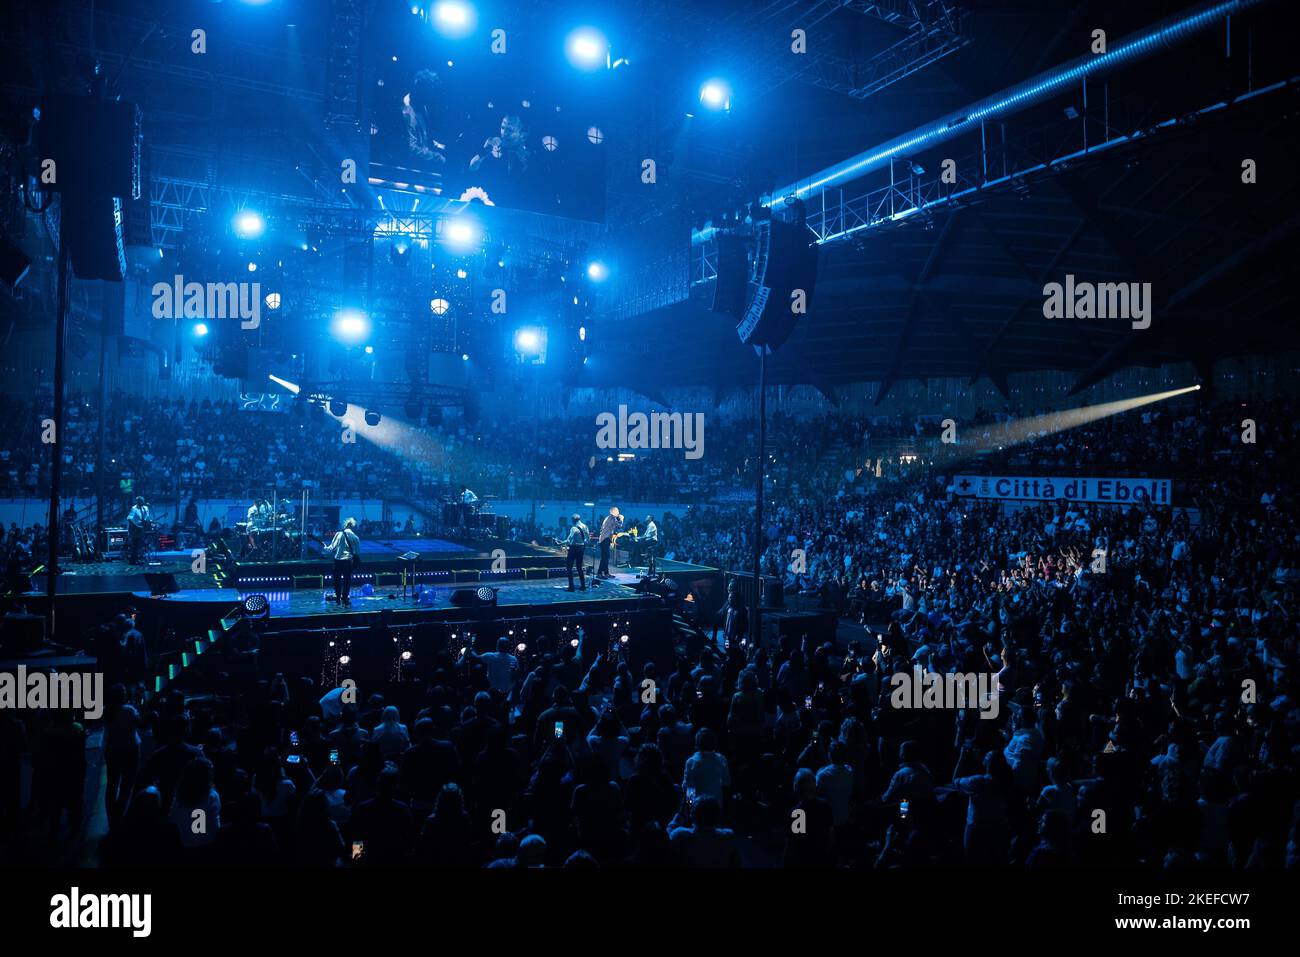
{"x":763,"y":38}
{"x":933,"y":31}
{"x":1004,"y":160}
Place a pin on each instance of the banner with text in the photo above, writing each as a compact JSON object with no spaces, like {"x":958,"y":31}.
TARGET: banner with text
{"x":1044,"y":488}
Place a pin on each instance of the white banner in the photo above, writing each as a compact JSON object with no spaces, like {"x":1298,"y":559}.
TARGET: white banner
{"x":1047,"y":488}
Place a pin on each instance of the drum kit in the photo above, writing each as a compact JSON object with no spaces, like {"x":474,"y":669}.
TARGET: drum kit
{"x":273,"y":537}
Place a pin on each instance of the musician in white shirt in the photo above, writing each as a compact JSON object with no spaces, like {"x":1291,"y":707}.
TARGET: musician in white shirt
{"x":608,"y":528}
{"x":345,"y":548}
{"x":137,"y":521}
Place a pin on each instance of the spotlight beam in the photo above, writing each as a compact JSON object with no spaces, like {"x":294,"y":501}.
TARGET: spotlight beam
{"x":1007,"y":434}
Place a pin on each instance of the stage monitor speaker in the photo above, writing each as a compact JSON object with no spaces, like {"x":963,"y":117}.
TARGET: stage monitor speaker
{"x":731,"y":285}
{"x":482,"y":597}
{"x":161,"y":583}
{"x":663,"y":587}
{"x":773,"y":590}
{"x":820,"y":627}
{"x":785,"y":262}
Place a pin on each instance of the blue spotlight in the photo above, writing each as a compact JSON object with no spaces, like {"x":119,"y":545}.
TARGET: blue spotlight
{"x":454,"y":18}
{"x":461,"y":233}
{"x":597,"y":271}
{"x":249,"y":224}
{"x":587,"y":49}
{"x":201,"y":329}
{"x":715,"y":94}
{"x":350,"y":325}
{"x":527,"y":340}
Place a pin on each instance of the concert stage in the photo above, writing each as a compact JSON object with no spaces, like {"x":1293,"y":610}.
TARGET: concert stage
{"x":439,"y":561}
{"x":528,"y":581}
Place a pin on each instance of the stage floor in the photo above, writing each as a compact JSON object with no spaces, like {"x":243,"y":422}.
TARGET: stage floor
{"x":304,"y":602}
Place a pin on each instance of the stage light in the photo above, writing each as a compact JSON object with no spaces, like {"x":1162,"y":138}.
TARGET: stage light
{"x":464,"y":357}
{"x":201,"y":329}
{"x":439,"y":307}
{"x":461,"y":233}
{"x":597,"y":271}
{"x":716,"y":95}
{"x":1018,"y":431}
{"x":582,"y":333}
{"x":587,"y":49}
{"x":273,"y":301}
{"x":372,"y":418}
{"x":350,"y":325}
{"x":249,"y":224}
{"x":454,"y":18}
{"x":370,"y":350}
{"x":256,"y":606}
{"x":527,"y":340}
{"x":252,"y":267}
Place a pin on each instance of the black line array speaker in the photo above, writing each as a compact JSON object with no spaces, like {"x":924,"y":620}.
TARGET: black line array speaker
{"x":731,"y":286}
{"x":785,"y":260}
{"x":90,"y":153}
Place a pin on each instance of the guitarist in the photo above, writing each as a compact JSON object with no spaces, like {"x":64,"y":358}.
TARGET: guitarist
{"x":346,"y":551}
{"x":576,"y":543}
{"x":137,"y":524}
{"x":612,"y":524}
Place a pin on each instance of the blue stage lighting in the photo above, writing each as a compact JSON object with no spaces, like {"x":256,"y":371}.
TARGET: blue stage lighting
{"x":461,"y":233}
{"x":716,"y":95}
{"x":249,"y":224}
{"x":587,"y":49}
{"x":350,"y":325}
{"x":527,"y":340}
{"x":454,"y":18}
{"x":597,"y":271}
{"x":201,"y":329}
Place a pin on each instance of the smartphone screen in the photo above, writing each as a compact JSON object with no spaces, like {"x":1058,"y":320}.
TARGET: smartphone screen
{"x":902,"y":809}
{"x":559,"y":729}
{"x":334,"y":756}
{"x":807,"y":701}
{"x":358,"y":850}
{"x":293,"y":738}
{"x":294,"y":759}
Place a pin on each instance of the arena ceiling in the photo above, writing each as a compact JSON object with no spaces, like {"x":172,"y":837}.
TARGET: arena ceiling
{"x":957,"y":291}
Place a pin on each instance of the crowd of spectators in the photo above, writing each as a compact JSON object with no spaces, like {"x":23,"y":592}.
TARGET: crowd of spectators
{"x":1144,"y":660}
